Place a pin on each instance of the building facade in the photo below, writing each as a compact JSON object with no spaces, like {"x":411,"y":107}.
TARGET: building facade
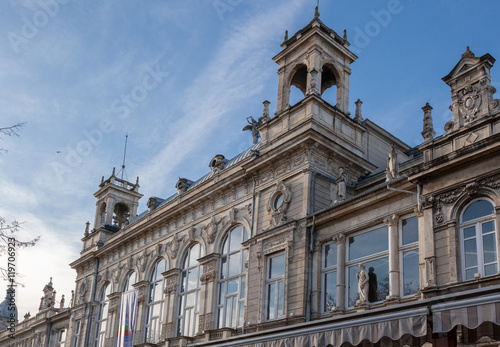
{"x":330,"y":231}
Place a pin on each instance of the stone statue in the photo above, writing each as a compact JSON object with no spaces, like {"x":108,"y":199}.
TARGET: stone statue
{"x":72,"y":302}
{"x":363,"y":284}
{"x":253,"y":127}
{"x":392,"y":171}
{"x":341,"y":185}
{"x":372,"y":285}
{"x":61,"y":303}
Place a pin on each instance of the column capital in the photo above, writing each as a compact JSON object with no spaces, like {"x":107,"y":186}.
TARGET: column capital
{"x":391,"y":220}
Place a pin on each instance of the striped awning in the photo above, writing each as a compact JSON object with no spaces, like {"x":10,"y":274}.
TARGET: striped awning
{"x":469,"y":313}
{"x":408,"y":326}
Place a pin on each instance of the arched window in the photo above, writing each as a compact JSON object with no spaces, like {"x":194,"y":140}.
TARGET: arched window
{"x":189,"y":296}
{"x":232,"y":279}
{"x":102,"y":317}
{"x":129,"y":281}
{"x":155,"y":302}
{"x":478,"y":240}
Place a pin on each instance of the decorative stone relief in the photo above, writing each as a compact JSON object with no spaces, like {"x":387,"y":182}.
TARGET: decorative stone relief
{"x":171,"y":285}
{"x":211,"y":229}
{"x":209,"y":273}
{"x":275,"y":245}
{"x":173,"y":246}
{"x":278,"y":203}
{"x":469,"y":104}
{"x":392,"y":220}
{"x":339,"y":238}
{"x":116,"y":272}
{"x":428,"y":132}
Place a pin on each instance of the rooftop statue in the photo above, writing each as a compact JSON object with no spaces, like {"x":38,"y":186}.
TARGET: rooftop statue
{"x":253,"y":127}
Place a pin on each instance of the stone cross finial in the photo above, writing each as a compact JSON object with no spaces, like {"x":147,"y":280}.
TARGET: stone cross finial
{"x":286,"y":36}
{"x":428,"y":133}
{"x":345,"y":36}
{"x":358,"y":117}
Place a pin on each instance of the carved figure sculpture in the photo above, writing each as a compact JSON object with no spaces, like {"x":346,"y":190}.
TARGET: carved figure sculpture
{"x":392,"y":171}
{"x":341,"y":185}
{"x":363,"y":284}
{"x":372,"y":285}
{"x":253,"y":127}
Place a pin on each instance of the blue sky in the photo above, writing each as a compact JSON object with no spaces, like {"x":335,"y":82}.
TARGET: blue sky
{"x":180,"y":77}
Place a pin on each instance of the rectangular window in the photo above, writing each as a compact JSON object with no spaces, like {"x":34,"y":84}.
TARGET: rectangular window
{"x":61,"y":340}
{"x":408,"y":256}
{"x":329,"y":277}
{"x":370,"y":248}
{"x":275,"y":287}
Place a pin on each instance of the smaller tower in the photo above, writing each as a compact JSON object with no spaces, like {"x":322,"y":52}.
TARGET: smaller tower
{"x":117,"y":203}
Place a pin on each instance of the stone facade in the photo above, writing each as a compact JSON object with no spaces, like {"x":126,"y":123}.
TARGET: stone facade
{"x":266,"y":248}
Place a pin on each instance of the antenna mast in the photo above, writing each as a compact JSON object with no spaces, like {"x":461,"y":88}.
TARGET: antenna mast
{"x":124,"y":156}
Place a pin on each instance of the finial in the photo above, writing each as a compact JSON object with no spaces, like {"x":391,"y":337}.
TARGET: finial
{"x":87,"y":225}
{"x":428,"y":133}
{"x":358,"y":117}
{"x":265,"y":113}
{"x":316,"y":11}
{"x":113,"y":172}
{"x":137,"y":181}
{"x":345,"y":35}
{"x":286,"y":36}
{"x":102,"y":180}
{"x":468,"y":53}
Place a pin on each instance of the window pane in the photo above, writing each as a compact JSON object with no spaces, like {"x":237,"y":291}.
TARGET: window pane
{"x":470,"y":253}
{"x":234,"y":264}
{"x":469,"y":232}
{"x":245,"y":235}
{"x":270,"y":300}
{"x":277,"y":266}
{"x":234,"y":320}
{"x":192,"y":280}
{"x":490,"y":270}
{"x":411,"y":280}
{"x":378,"y":271}
{"x":244,"y":260}
{"x":488,"y":227}
{"x":225,"y":245}
{"x":478,"y":209}
{"x":489,"y":248}
{"x":183,"y":281}
{"x":330,"y":255}
{"x":232,"y":286}
{"x":241,"y":314}
{"x":281,"y":298}
{"x":368,"y":243}
{"x":330,"y":291}
{"x":190,"y":299}
{"x":158,"y":291}
{"x":221,"y":318}
{"x":242,"y":289}
{"x":222,"y":293}
{"x":229,"y":310}
{"x":469,"y":274}
{"x":235,"y":238}
{"x":223,"y":268}
{"x":410,"y":230}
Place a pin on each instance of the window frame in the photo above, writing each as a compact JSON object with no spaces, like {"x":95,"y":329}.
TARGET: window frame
{"x":224,"y":279}
{"x":181,"y":310}
{"x":407,"y":248}
{"x":153,"y":335}
{"x":103,"y":302}
{"x":328,"y":270}
{"x":364,"y":259}
{"x":76,"y":333}
{"x":275,"y":281}
{"x":478,"y":222}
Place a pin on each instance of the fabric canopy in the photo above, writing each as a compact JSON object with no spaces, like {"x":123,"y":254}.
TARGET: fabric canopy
{"x":372,"y":329}
{"x":469,"y":313}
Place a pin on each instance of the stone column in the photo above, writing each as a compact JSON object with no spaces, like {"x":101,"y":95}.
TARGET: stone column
{"x":113,"y":316}
{"x":341,"y":288}
{"x":392,"y":224}
{"x":142,"y":286}
{"x":427,"y":257}
{"x":208,"y":297}
{"x":170,"y":309}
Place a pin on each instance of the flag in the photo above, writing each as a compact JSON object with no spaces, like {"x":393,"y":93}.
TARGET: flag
{"x":126,"y":322}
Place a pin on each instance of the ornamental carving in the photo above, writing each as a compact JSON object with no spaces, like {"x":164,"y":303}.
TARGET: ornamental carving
{"x":173,"y":246}
{"x":142,"y":261}
{"x":275,"y":245}
{"x":115,"y":273}
{"x":339,"y":238}
{"x":212,"y":228}
{"x":491,"y":182}
{"x":392,"y":220}
{"x":278,"y":203}
{"x":469,"y":103}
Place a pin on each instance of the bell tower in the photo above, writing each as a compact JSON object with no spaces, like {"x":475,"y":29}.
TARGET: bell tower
{"x":117,"y":202}
{"x":314,"y":59}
